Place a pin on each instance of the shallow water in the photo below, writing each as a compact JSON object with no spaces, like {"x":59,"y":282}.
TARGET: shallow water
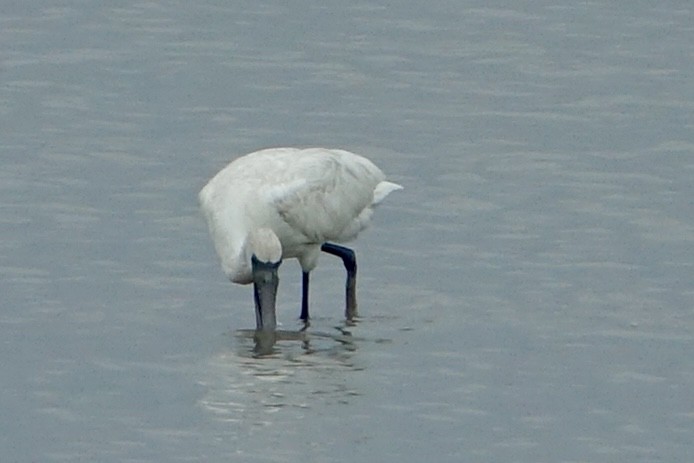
{"x":526,"y":298}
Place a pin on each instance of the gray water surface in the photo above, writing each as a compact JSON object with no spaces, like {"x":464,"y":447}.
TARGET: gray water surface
{"x":528,"y":297}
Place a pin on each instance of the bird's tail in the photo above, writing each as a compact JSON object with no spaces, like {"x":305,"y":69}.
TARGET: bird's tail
{"x":382,"y":190}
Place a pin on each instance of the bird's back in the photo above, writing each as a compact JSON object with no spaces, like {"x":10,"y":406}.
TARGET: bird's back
{"x":323,"y":192}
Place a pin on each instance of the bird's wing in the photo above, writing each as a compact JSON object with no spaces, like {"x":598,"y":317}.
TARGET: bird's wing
{"x":330,"y":198}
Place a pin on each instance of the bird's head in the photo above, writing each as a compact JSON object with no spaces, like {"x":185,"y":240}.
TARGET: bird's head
{"x":266,"y":257}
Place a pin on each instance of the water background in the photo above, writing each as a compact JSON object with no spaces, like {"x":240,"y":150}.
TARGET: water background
{"x":528,"y":297}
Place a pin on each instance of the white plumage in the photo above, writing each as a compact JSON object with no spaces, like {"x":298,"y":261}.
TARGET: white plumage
{"x":286,"y":203}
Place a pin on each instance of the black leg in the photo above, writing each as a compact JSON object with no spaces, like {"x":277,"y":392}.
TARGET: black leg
{"x":304,"y":297}
{"x":350,"y":262}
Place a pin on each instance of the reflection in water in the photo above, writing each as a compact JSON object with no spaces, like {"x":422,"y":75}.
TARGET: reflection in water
{"x":265,"y":341}
{"x":285,"y":370}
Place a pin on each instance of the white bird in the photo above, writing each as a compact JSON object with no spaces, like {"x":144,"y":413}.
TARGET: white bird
{"x":284,"y":203}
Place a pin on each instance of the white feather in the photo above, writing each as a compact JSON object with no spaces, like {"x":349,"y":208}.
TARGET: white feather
{"x":306,"y":197}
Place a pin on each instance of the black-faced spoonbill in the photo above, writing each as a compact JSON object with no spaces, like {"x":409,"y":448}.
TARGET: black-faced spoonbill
{"x":281,"y":203}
